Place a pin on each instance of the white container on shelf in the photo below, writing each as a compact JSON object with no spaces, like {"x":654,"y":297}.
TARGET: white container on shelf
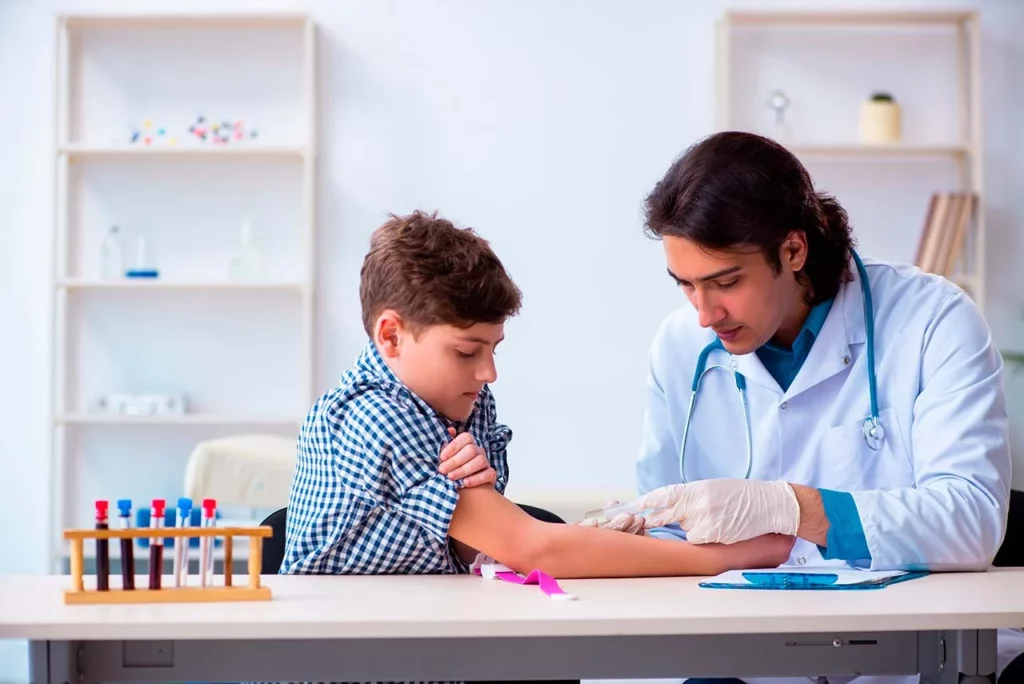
{"x":880,"y":120}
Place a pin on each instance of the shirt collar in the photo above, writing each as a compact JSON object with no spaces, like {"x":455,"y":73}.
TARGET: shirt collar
{"x":811,"y":327}
{"x":371,"y":361}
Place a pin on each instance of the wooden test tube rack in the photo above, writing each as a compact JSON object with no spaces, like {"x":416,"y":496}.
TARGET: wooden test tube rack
{"x":228,"y":591}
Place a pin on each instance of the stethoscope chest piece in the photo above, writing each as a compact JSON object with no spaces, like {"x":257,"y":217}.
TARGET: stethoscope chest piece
{"x":874,"y":433}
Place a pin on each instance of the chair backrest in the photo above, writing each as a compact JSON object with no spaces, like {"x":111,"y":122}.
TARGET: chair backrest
{"x":1011,"y":552}
{"x":273,"y":547}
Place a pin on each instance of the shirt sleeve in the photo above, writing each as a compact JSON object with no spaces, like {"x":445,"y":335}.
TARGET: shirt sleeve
{"x":658,"y":463}
{"x":400,"y":451}
{"x":498,"y":438}
{"x":846,"y":540}
{"x":954,"y":517}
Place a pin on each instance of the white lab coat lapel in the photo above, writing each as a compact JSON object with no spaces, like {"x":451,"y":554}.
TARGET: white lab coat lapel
{"x":832,"y":351}
{"x":754,"y":371}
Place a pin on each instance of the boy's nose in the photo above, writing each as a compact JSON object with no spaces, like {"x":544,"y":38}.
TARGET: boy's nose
{"x":487,"y":372}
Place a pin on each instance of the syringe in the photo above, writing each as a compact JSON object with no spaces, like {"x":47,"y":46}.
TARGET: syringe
{"x":607,"y":513}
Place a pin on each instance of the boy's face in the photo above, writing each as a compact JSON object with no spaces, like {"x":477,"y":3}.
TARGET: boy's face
{"x":444,"y":365}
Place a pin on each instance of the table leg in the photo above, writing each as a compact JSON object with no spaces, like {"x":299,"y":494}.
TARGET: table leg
{"x":52,"y":662}
{"x":958,"y":657}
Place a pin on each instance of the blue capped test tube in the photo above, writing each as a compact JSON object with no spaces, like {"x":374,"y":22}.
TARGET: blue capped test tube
{"x":124,"y":508}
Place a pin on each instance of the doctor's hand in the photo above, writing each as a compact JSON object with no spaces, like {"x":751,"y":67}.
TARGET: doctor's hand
{"x":463,"y":459}
{"x":626,"y":522}
{"x":725,"y":511}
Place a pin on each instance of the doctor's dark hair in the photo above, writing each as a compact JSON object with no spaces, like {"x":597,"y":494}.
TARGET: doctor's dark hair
{"x":736,"y":190}
{"x":432,"y":273}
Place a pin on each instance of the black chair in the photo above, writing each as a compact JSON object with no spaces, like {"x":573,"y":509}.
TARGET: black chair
{"x":273,"y":546}
{"x":1011,"y":551}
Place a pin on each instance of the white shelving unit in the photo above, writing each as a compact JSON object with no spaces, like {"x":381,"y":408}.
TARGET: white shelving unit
{"x":952,"y":39}
{"x":240,"y":350}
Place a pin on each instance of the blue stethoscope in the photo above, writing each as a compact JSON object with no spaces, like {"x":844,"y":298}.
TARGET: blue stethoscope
{"x":874,"y":434}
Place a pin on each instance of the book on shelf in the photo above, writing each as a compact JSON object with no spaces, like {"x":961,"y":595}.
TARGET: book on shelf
{"x":945,"y":231}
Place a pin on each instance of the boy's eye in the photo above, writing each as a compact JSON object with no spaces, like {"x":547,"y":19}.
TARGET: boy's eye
{"x":465,"y":355}
{"x":726,"y":286}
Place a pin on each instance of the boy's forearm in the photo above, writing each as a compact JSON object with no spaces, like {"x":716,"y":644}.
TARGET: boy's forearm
{"x":568,"y":551}
{"x":485,"y":520}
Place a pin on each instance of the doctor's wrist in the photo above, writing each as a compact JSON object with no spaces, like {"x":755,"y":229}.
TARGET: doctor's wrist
{"x":814,"y":524}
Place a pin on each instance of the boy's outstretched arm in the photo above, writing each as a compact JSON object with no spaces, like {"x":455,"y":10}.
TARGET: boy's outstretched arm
{"x":487,"y":521}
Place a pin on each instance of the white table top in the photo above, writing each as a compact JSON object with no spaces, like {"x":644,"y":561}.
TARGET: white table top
{"x":311,"y":607}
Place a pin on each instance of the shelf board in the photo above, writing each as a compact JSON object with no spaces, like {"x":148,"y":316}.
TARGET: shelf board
{"x":183,"y":419}
{"x":248,"y":151}
{"x":854,"y":18}
{"x":162,"y":284}
{"x":194,"y":21}
{"x":894,"y":149}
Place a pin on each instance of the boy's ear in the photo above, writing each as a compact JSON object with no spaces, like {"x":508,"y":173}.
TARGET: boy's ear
{"x":388,"y":333}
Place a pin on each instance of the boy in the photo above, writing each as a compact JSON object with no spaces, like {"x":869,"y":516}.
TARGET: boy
{"x":370,"y":494}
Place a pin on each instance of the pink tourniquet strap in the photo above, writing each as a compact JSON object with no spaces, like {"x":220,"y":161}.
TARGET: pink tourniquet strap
{"x":548,"y":584}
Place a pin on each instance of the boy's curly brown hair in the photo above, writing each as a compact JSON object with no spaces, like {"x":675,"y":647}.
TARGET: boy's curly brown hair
{"x":431,"y":273}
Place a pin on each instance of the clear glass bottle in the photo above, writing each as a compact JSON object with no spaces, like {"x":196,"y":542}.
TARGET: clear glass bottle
{"x":112,"y":255}
{"x":247,"y":263}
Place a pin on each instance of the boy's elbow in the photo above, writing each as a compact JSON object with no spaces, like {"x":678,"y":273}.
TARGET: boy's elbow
{"x":533,"y":549}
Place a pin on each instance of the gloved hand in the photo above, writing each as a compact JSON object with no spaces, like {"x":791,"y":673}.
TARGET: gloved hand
{"x":626,"y":522}
{"x":724,"y":511}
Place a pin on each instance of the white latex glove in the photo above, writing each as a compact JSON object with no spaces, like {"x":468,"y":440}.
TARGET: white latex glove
{"x":626,"y":522}
{"x":724,"y":511}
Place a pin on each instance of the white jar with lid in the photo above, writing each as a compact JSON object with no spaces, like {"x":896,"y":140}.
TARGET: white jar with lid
{"x":880,"y":120}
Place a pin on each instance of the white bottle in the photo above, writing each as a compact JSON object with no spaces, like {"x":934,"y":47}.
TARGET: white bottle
{"x":112,"y":255}
{"x":247,"y":263}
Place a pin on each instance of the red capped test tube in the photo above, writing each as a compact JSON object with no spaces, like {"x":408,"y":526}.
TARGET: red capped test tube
{"x":102,"y":547}
{"x":156,"y":544}
{"x":206,"y":544}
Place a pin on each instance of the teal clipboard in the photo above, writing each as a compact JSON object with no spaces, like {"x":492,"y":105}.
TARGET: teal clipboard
{"x":803,"y":581}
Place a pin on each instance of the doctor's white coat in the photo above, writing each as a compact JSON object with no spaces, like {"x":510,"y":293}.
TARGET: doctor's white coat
{"x":934,"y":496}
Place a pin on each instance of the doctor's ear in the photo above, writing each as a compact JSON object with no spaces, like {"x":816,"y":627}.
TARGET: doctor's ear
{"x":793,"y":252}
{"x":388,"y":332}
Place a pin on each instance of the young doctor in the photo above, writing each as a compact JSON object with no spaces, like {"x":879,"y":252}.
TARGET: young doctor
{"x":855,"y":404}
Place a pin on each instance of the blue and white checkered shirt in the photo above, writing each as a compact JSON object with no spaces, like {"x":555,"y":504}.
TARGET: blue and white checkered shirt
{"x":366,"y":495}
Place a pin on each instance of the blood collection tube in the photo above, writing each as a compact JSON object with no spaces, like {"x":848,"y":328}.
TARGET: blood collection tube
{"x":124,"y":507}
{"x":156,"y":544}
{"x":102,"y":548}
{"x":206,"y":545}
{"x":181,"y":543}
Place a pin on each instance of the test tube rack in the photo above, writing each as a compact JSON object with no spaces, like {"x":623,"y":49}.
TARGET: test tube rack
{"x":228,"y":591}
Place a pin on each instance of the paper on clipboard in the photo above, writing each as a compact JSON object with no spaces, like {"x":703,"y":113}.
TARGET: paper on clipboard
{"x":808,"y":578}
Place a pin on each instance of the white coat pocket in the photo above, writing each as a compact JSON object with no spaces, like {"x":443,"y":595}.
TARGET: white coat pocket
{"x":848,"y":464}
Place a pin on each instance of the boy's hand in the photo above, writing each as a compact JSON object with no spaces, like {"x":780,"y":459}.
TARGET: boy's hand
{"x":462,"y":459}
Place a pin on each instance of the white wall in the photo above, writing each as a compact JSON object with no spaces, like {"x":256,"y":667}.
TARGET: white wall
{"x":542,"y":124}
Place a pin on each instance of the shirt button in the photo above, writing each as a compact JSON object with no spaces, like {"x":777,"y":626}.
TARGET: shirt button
{"x":784,"y":405}
{"x":846,"y":360}
{"x":801,"y":561}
